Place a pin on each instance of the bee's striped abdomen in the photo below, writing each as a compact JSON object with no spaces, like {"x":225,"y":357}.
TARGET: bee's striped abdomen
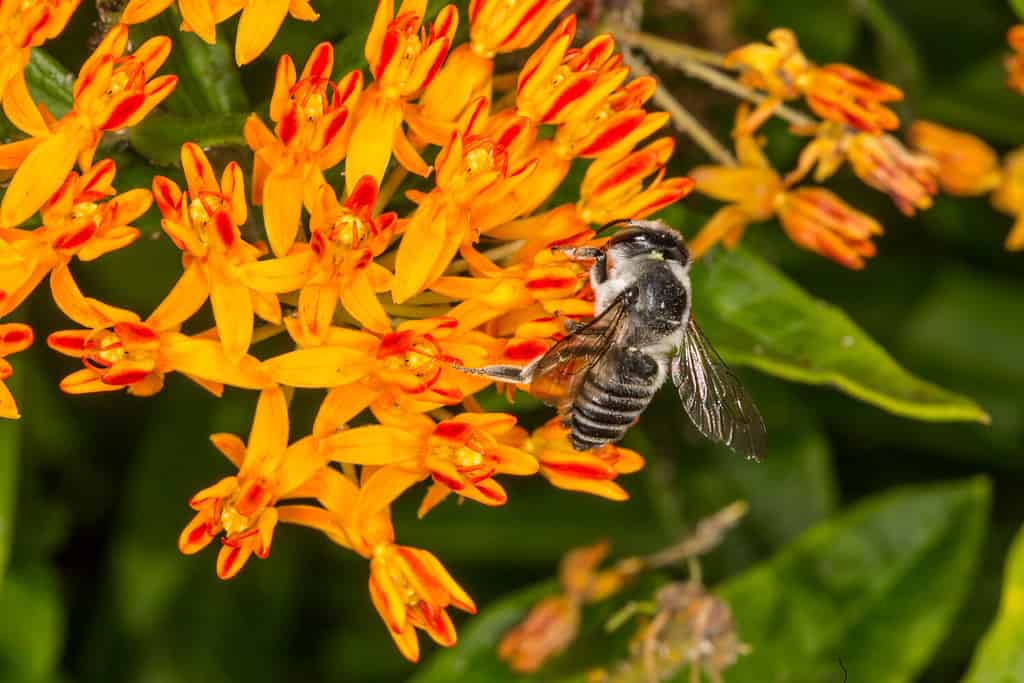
{"x":612,"y":397}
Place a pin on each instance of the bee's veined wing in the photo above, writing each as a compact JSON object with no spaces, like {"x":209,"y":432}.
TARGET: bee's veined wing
{"x":716,"y":401}
{"x":560,"y":372}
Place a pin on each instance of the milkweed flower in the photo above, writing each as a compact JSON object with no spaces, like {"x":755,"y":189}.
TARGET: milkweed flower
{"x":121,"y":351}
{"x":203,"y":222}
{"x":1008,"y":197}
{"x":813,"y":218}
{"x":23,"y":26}
{"x":835,"y":92}
{"x":1015,"y":62}
{"x":592,"y":471}
{"x":14,"y":337}
{"x":84,"y":218}
{"x":260,"y":21}
{"x":409,"y":587}
{"x":245,"y":507}
{"x":336,"y":266}
{"x":404,"y":57}
{"x":967,"y":165}
{"x":461,"y":455}
{"x":112,"y":91}
{"x":411,"y":366}
{"x":312,"y":116}
{"x":910,"y":179}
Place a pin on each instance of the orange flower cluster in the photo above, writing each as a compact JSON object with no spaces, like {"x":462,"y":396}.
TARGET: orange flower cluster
{"x":380,"y":305}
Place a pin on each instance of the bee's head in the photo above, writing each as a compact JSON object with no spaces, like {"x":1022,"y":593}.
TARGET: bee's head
{"x":651,"y":239}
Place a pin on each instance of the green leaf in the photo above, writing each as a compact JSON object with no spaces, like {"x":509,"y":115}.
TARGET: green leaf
{"x":32,"y":627}
{"x":10,"y":444}
{"x":1000,"y":657}
{"x":49,"y":82}
{"x":1018,"y":7}
{"x":160,"y":136}
{"x":877,"y":587}
{"x":758,"y":317}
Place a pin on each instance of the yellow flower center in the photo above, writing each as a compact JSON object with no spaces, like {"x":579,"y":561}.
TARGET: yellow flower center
{"x":242,"y":510}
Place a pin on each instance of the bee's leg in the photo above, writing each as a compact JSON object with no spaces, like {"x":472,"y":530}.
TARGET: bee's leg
{"x":513,"y":374}
{"x":599,"y":271}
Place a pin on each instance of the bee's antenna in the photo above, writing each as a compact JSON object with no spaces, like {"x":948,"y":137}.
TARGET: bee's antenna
{"x":611,"y":224}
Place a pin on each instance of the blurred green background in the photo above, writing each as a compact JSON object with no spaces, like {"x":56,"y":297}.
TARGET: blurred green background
{"x":900,"y":588}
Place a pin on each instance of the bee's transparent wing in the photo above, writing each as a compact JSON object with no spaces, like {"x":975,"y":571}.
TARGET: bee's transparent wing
{"x":560,"y":372}
{"x":714,"y":398}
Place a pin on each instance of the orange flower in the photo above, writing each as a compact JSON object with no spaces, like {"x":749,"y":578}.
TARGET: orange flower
{"x":497,"y":26}
{"x":813,"y":218}
{"x":261,"y":19}
{"x":461,"y":455}
{"x":613,"y":190}
{"x":1009,"y":197}
{"x":819,"y":221}
{"x":1015,"y":61}
{"x":245,"y":506}
{"x":336,"y":265}
{"x":557,"y":82}
{"x":592,"y":471}
{"x":76,"y":222}
{"x":476,"y":170}
{"x":410,"y":587}
{"x":121,"y":351}
{"x":113,"y":91}
{"x":404,"y":57}
{"x":967,"y":166}
{"x":23,"y":26}
{"x":411,"y":366}
{"x":835,"y":92}
{"x":881,"y":161}
{"x":203,"y":222}
{"x":14,"y":337}
{"x":841,"y":93}
{"x":313,"y":117}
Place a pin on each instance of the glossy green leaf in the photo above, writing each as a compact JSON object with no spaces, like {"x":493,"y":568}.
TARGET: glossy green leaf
{"x":758,"y":317}
{"x":10,"y":446}
{"x":32,"y":627}
{"x":1000,"y":657}
{"x":877,"y":587}
{"x":160,"y":136}
{"x":49,"y":82}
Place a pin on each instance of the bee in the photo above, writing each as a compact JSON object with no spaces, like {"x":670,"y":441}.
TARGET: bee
{"x":603,"y":374}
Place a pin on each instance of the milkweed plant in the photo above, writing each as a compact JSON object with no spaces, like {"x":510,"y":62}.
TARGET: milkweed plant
{"x":372,"y":225}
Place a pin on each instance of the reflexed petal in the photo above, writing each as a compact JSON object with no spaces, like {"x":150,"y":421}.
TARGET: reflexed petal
{"x":231,"y":446}
{"x":371,"y":445}
{"x":316,"y":308}
{"x":185,"y":298}
{"x":269,"y":435}
{"x":282,"y":209}
{"x":318,"y":367}
{"x":199,"y":16}
{"x":386,"y":598}
{"x":8,"y":408}
{"x":138,"y":11}
{"x":260,"y":22}
{"x":359,"y":299}
{"x":85,"y":381}
{"x":232,"y":311}
{"x":21,"y":109}
{"x":341,"y":405}
{"x":37,"y":178}
{"x":301,"y":462}
{"x":436,"y":494}
{"x":382,"y":488}
{"x":206,"y":359}
{"x":83,"y":310}
{"x":378,"y":119}
{"x":597,"y":487}
{"x":197,"y":535}
{"x":421,"y":248}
